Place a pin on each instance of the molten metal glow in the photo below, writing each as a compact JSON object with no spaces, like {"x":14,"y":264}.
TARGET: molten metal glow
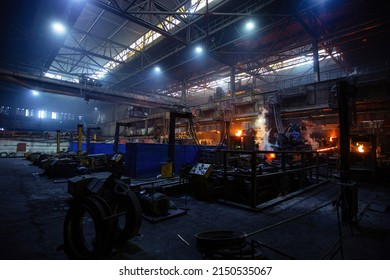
{"x":239,"y":133}
{"x":360,"y":148}
{"x":326,"y":149}
{"x":270,"y":157}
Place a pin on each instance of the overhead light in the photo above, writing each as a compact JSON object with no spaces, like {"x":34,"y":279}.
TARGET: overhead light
{"x":35,"y":93}
{"x":157,"y":69}
{"x":198,"y":50}
{"x":58,"y":27}
{"x":250,"y":25}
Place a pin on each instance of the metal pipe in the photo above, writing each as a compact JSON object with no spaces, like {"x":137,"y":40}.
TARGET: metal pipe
{"x":182,"y":239}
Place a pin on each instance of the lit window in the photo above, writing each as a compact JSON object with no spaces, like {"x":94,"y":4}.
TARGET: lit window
{"x":149,"y":37}
{"x":53,"y":76}
{"x":54,"y":115}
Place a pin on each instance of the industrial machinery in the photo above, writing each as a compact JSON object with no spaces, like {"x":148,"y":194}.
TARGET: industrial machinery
{"x":201,"y":184}
{"x":363,"y":156}
{"x":102,"y":212}
{"x":107,"y":211}
{"x":291,"y":138}
{"x":171,"y":141}
{"x":62,"y":167}
{"x":88,"y":81}
{"x":154,"y":204}
{"x":117,"y":127}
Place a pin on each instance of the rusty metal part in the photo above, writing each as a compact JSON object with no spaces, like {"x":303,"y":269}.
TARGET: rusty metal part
{"x":155,"y":204}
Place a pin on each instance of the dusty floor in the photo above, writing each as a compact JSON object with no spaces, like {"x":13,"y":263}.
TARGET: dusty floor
{"x":33,"y":208}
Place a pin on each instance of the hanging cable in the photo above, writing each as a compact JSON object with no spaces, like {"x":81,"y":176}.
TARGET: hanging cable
{"x":278,"y":121}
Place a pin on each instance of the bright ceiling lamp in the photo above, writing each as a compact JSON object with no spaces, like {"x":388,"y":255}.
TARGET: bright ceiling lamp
{"x":58,"y":28}
{"x":250,"y":25}
{"x":198,"y":50}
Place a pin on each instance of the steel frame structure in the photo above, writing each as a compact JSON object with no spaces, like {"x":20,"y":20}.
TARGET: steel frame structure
{"x":105,"y":31}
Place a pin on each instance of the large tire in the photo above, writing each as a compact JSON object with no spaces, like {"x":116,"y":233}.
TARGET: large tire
{"x":129,"y":222}
{"x":75,"y":240}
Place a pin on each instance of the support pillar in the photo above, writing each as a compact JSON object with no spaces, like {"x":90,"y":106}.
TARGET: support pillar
{"x":184,"y":94}
{"x":228,"y":140}
{"x":116,"y":138}
{"x":348,"y":199}
{"x":171,"y":140}
{"x":58,"y":141}
{"x":79,"y":138}
{"x":232,"y":81}
{"x":316,"y":63}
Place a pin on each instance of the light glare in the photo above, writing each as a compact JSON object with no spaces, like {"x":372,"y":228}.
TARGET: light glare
{"x":198,"y":50}
{"x":58,"y":28}
{"x":250,"y":25}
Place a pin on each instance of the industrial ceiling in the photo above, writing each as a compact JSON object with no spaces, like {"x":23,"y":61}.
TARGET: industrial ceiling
{"x":118,"y":43}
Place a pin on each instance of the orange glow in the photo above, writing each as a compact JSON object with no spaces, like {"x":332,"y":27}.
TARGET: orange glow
{"x":326,"y":149}
{"x":331,"y":138}
{"x":239,"y":133}
{"x":360,"y":148}
{"x":270,"y":156}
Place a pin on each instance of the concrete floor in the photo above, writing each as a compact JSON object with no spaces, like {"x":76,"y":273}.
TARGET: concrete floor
{"x":33,"y":208}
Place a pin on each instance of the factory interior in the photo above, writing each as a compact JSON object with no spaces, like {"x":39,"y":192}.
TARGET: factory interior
{"x":195,"y":130}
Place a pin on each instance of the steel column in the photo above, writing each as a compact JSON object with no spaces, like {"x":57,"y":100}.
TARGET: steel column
{"x":348,"y":189}
{"x":58,"y":140}
{"x":79,"y":138}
